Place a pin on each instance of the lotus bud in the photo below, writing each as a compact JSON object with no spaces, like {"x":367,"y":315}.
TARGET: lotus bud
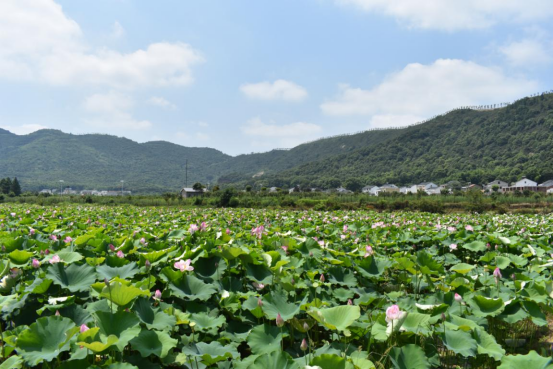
{"x":514,"y":277}
{"x":84,"y":328}
{"x":36,"y":264}
{"x":497,"y":273}
{"x":58,"y":313}
{"x":259,"y":303}
{"x":350,"y":302}
{"x":111,"y":247}
{"x":322,"y":279}
{"x":157,"y":295}
{"x":305,"y":326}
{"x":304,"y":345}
{"x":443,"y":317}
{"x":292,"y":281}
{"x":106,"y":282}
{"x":279,"y":321}
{"x":147,"y":264}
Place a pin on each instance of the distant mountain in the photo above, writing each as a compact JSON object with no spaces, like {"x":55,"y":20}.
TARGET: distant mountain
{"x":466,"y":145}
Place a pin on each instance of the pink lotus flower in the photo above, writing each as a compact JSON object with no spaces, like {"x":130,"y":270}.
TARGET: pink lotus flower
{"x":393,"y":313}
{"x":68,"y":239}
{"x":35,"y":263}
{"x":55,"y":259}
{"x":183,"y":265}
{"x":458,"y":297}
{"x":157,"y":295}
{"x":203,"y":227}
{"x":31,"y":231}
{"x":193,"y":228}
{"x":53,"y":238}
{"x":120,"y":254}
{"x":369,"y":251}
{"x":258,"y":286}
{"x":453,"y":246}
{"x":258,"y":231}
{"x":285,"y":248}
{"x":451,"y":229}
{"x":497,"y":273}
{"x":279,"y":321}
{"x":227,"y":231}
{"x":143,"y":241}
{"x":83,"y":328}
{"x":345,"y":229}
{"x":469,"y":228}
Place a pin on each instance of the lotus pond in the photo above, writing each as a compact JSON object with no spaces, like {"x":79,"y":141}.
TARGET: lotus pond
{"x":126,"y":287}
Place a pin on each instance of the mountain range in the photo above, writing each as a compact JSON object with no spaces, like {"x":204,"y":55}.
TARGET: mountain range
{"x":465,"y":145}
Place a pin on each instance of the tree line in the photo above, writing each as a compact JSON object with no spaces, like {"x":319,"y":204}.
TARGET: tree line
{"x":10,"y":187}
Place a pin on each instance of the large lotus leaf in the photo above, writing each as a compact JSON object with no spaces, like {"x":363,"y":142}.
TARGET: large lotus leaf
{"x":274,"y":360}
{"x":276,"y":303}
{"x":259,"y":273}
{"x":338,"y":318}
{"x":66,"y":256}
{"x":123,"y":325}
{"x":409,"y":357}
{"x":416,"y":323}
{"x":463,"y":268}
{"x":427,"y":264}
{"x":531,"y":360}
{"x":487,"y":345}
{"x":342,"y":277}
{"x":210,"y":269}
{"x":372,"y":267}
{"x":20,"y":257}
{"x":538,"y":317}
{"x":99,"y":346}
{"x":13,"y":362}
{"x":459,"y":342}
{"x":39,"y":286}
{"x":475,"y":246}
{"x":122,"y":295}
{"x":513,"y":313}
{"x":361,"y":361}
{"x":211,"y":353}
{"x":535,"y":292}
{"x":125,"y":272}
{"x":45,"y":339}
{"x":187,"y":286}
{"x":75,"y":277}
{"x":121,"y":366}
{"x":264,"y":339}
{"x":207,"y":323}
{"x":153,"y":343}
{"x":329,"y":361}
{"x":484,"y":306}
{"x":153,"y":318}
{"x":502,"y":262}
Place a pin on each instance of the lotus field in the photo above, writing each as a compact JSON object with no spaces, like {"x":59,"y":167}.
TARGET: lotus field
{"x":126,"y":287}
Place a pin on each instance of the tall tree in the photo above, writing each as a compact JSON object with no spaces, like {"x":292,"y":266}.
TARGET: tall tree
{"x":6,"y":185}
{"x":15,"y":187}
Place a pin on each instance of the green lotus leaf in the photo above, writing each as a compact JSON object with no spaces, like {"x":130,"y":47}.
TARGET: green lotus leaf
{"x":45,"y":339}
{"x":409,"y":357}
{"x":274,"y":360}
{"x":487,"y":345}
{"x":13,"y":362}
{"x":416,"y":323}
{"x":533,"y":309}
{"x":427,"y":264}
{"x":342,"y":277}
{"x":210,"y":269}
{"x":475,"y":246}
{"x":187,"y":286}
{"x":153,"y":343}
{"x":329,"y":361}
{"x":211,"y":353}
{"x":153,"y":318}
{"x":121,"y":366}
{"x":67,"y":257}
{"x":459,"y":342}
{"x":122,"y":295}
{"x":259,"y":273}
{"x":276,"y":303}
{"x":20,"y":257}
{"x":123,"y":325}
{"x":531,"y":360}
{"x":462,"y":268}
{"x":75,"y":277}
{"x":99,"y":346}
{"x":264,"y":339}
{"x":502,"y":262}
{"x":337,"y":318}
{"x":513,"y":313}
{"x":484,"y":306}
{"x":372,"y":267}
{"x":206,"y":323}
{"x":39,"y":286}
{"x":125,"y":272}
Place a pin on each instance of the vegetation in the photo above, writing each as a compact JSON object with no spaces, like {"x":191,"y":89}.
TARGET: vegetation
{"x":126,"y":287}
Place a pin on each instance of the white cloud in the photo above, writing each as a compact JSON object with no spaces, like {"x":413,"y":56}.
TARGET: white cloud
{"x":39,"y":42}
{"x":453,"y":15}
{"x":277,"y":90}
{"x":287,"y":135}
{"x":203,"y":124}
{"x":117,"y":30}
{"x":528,"y":53}
{"x":24,"y":129}
{"x":161,"y":102}
{"x":113,"y":110}
{"x":425,"y":90}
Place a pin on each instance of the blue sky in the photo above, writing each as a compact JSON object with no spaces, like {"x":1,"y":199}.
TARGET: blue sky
{"x":248,"y":76}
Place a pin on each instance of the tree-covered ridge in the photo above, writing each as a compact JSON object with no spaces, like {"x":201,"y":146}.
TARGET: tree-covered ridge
{"x":465,"y":145}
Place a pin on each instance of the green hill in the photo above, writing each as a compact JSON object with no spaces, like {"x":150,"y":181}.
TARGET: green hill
{"x":466,"y":145}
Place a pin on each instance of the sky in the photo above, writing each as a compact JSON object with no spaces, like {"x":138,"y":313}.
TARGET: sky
{"x":249,"y":76}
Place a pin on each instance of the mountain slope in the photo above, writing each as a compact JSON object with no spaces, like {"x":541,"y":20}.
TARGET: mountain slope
{"x":466,"y":145}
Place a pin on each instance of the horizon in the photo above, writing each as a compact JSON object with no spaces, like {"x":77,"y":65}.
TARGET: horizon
{"x":251,"y":77}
